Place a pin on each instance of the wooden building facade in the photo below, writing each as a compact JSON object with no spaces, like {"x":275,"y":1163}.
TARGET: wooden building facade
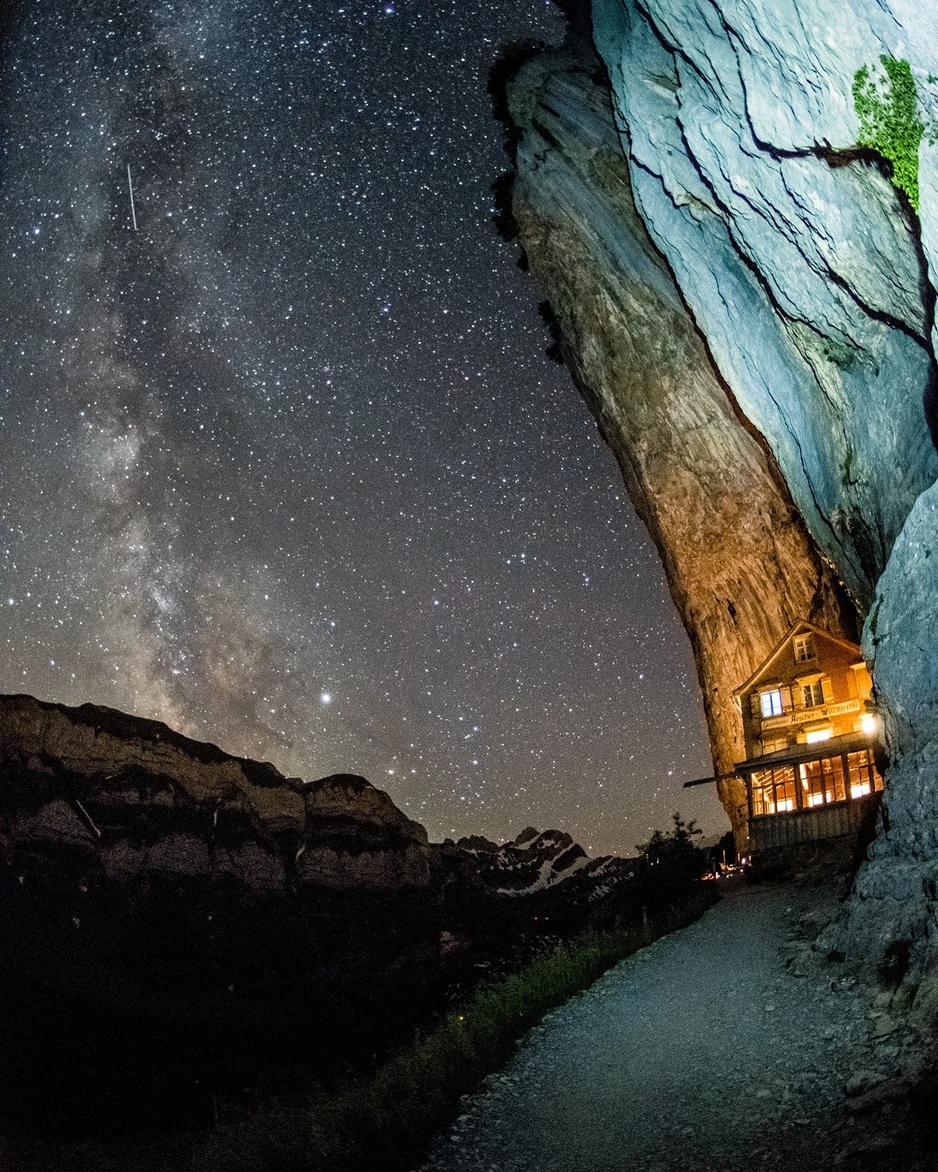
{"x":811,"y":737}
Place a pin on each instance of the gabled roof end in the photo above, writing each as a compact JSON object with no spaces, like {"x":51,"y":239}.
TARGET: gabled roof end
{"x":796,"y":628}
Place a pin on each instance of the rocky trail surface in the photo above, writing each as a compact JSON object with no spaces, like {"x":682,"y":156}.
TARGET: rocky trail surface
{"x":730,"y":1045}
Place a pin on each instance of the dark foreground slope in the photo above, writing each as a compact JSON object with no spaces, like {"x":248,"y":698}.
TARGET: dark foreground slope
{"x":183,"y":928}
{"x":178,"y":922}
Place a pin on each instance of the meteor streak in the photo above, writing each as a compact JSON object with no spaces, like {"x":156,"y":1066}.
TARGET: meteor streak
{"x":130,"y":184}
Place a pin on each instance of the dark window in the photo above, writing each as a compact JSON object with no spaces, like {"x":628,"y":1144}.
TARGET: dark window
{"x":813,"y":694}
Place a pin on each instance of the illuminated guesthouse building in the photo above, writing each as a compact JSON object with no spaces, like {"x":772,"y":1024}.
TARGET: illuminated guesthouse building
{"x":810,"y":736}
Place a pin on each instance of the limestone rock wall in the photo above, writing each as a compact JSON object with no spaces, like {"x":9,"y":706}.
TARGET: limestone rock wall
{"x":799,"y":264}
{"x":894,"y":905}
{"x":784,"y":313}
{"x":740,"y":562}
{"x":893,"y":912}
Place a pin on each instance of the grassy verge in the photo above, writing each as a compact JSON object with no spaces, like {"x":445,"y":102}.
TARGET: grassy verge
{"x":384,"y":1122}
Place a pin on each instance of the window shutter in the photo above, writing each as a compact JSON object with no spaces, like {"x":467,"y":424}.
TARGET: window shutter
{"x":786,"y":699}
{"x":828,"y":688}
{"x":755,"y":704}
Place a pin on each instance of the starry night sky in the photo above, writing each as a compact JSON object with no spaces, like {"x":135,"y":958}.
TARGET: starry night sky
{"x":286,"y":466}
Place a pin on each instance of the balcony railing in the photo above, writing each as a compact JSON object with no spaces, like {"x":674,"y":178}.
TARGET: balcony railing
{"x":808,"y":715}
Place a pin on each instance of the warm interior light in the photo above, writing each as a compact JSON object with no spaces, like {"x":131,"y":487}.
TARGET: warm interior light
{"x":818,"y":734}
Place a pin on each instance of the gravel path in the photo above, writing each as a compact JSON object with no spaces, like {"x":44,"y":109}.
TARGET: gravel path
{"x":726,"y":1046}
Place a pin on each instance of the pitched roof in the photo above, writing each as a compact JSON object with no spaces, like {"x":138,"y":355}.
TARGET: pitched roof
{"x":796,"y":628}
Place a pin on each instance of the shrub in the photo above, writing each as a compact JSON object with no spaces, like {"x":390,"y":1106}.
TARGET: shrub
{"x":672,"y":860}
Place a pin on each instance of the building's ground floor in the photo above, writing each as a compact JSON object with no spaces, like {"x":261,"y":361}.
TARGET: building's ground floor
{"x":811,"y":793}
{"x":805,"y":784}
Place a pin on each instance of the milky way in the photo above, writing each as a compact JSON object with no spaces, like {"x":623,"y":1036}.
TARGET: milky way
{"x":286,"y":465}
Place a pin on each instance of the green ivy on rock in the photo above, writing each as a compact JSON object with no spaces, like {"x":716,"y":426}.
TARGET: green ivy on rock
{"x":890,"y":124}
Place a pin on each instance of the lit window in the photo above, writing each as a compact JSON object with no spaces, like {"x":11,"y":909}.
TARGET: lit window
{"x":822,"y":781}
{"x":771,"y":702}
{"x":818,"y":734}
{"x":762,"y":797}
{"x":773,"y":790}
{"x":803,"y":646}
{"x":864,"y":777}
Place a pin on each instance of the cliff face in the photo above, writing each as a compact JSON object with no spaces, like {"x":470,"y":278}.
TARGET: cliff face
{"x":746,"y":301}
{"x":741,"y":565}
{"x":803,"y":274}
{"x":140,"y":799}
